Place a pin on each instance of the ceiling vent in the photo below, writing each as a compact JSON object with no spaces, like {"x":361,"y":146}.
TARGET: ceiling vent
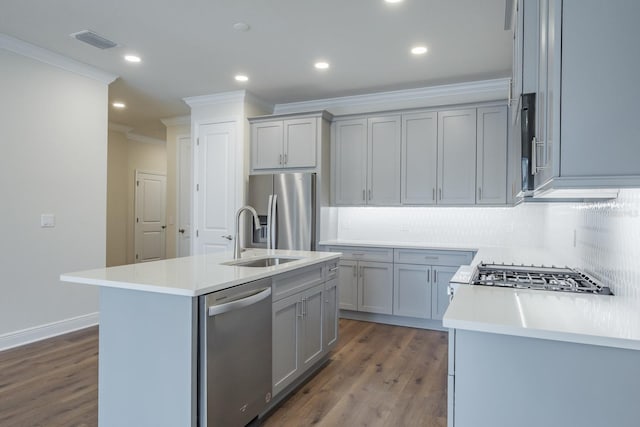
{"x":94,"y":39}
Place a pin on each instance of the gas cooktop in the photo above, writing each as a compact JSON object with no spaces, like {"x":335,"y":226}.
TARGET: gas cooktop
{"x":562,"y":279}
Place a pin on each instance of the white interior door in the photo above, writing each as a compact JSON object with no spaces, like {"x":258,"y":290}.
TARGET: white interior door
{"x":216,"y":187}
{"x":150,"y":211}
{"x":183,"y":237}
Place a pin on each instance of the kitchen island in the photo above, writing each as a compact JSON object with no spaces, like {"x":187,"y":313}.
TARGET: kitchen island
{"x":149,"y":326}
{"x":533,"y":357}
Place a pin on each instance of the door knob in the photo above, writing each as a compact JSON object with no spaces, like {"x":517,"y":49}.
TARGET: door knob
{"x":181,"y":230}
{"x":228,"y":237}
{"x":164,"y":226}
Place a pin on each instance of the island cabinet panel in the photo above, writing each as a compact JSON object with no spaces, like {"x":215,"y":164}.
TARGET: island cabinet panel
{"x":330,"y":313}
{"x":286,"y":335}
{"x":419,"y":158}
{"x":312,"y":322}
{"x":148,"y":352}
{"x":457,"y":157}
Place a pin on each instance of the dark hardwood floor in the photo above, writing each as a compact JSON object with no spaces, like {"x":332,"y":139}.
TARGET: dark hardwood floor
{"x":52,"y":382}
{"x":378,"y":375}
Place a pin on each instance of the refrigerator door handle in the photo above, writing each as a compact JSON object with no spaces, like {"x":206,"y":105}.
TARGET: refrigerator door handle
{"x":274,"y":231}
{"x":269,"y":219}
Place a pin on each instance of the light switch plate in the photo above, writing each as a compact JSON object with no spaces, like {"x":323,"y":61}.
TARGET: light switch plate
{"x":47,"y":220}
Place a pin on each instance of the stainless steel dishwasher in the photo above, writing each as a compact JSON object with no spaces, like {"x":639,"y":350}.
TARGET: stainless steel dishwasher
{"x":235,"y":354}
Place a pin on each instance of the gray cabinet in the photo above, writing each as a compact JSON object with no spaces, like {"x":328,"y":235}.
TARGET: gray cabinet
{"x":412,"y":290}
{"x":419,"y":158}
{"x":375,"y":287}
{"x":330,"y":313}
{"x":439,"y":296}
{"x":297,"y":335}
{"x":491,"y":158}
{"x":366,"y":159}
{"x":587,"y":105}
{"x":457,"y":157}
{"x":383,"y":165}
{"x":287,"y":141}
{"x":348,"y":285}
{"x":349,"y":162}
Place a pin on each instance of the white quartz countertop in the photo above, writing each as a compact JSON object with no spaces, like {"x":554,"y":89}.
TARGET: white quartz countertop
{"x":400,"y":245}
{"x":194,"y":275}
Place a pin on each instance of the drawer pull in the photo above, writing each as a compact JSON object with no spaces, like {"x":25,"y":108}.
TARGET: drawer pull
{"x":359,"y":254}
{"x":334,"y":269}
{"x":431,"y":257}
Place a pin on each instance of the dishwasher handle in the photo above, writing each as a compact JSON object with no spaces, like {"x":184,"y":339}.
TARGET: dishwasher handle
{"x":258,"y":296}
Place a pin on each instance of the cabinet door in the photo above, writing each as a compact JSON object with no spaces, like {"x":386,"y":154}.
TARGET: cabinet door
{"x":439,"y":297}
{"x":330,"y":313}
{"x":350,"y":162}
{"x":412,"y":290}
{"x":348,"y":285}
{"x":300,"y":143}
{"x":286,"y":332}
{"x":491,"y":164}
{"x":457,"y":157}
{"x":383,"y":154}
{"x":419,"y":159}
{"x":312,"y":310}
{"x":266,"y":145}
{"x":375,"y":287}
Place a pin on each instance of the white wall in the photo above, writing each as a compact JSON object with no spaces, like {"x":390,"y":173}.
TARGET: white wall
{"x":53,"y":131}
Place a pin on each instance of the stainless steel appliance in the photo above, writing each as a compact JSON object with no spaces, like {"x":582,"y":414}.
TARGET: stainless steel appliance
{"x":286,"y":206}
{"x":235,"y":354}
{"x":528,"y":141}
{"x":563,"y":279}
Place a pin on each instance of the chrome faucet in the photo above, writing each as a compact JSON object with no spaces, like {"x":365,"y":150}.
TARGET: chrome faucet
{"x":237,"y":250}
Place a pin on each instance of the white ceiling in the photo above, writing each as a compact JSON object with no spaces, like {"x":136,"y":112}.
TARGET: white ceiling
{"x":190,"y":48}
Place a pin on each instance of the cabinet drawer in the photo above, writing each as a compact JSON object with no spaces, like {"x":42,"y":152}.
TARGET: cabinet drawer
{"x":432,"y":257}
{"x":289,"y":283}
{"x":356,"y":253}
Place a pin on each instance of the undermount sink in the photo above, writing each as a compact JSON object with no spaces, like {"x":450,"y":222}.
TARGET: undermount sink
{"x":261,"y":262}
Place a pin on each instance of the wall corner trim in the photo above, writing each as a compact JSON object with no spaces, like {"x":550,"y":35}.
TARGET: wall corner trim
{"x":215,"y":98}
{"x":29,"y":50}
{"x":176,"y":121}
{"x":41,"y":332}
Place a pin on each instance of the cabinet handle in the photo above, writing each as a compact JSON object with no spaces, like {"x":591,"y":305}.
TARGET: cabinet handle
{"x":354,"y":271}
{"x":534,"y":160}
{"x":369,"y":194}
{"x":433,"y":193}
{"x":331,"y":270}
{"x":280,"y":160}
{"x":285,"y":159}
{"x":299,"y":303}
{"x":363,"y":195}
{"x":361,"y":272}
{"x":440,"y":193}
{"x":479,"y":193}
{"x":358,"y":254}
{"x":428,"y":276}
{"x":304,"y":307}
{"x":435,"y":276}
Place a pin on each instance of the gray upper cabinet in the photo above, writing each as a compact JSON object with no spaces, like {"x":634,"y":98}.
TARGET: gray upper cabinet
{"x":491,"y":159}
{"x":291,"y":141}
{"x":457,"y":157}
{"x":419,"y":158}
{"x":383,"y":166}
{"x":349,"y":155}
{"x":587,"y":106}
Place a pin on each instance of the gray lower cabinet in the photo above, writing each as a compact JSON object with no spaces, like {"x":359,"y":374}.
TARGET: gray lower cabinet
{"x":348,"y":285}
{"x":412,"y":290}
{"x":366,"y":286}
{"x":297,"y":335}
{"x":330,"y":313}
{"x":439,"y":296}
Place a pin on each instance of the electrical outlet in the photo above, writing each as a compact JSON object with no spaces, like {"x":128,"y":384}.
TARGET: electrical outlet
{"x":47,"y":220}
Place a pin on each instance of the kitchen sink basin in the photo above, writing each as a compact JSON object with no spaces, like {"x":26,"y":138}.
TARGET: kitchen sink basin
{"x":261,"y":262}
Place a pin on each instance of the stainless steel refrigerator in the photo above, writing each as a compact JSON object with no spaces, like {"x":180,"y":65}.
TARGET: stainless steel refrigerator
{"x":286,"y":206}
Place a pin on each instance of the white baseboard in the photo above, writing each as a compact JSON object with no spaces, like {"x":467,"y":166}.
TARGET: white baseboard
{"x":41,"y":332}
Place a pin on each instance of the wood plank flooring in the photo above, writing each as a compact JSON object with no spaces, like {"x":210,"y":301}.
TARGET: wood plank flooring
{"x":53,"y":382}
{"x":378,"y":375}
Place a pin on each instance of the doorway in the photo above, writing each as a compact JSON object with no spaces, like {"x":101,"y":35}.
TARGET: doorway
{"x":150,"y":211}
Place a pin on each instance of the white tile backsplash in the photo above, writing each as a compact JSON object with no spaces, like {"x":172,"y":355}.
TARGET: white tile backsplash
{"x":602,"y":238}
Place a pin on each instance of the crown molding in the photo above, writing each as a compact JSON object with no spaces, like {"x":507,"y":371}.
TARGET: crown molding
{"x":130,"y":135}
{"x":215,"y":98}
{"x":258,"y":102}
{"x":458,"y":93}
{"x":176,"y":121}
{"x":48,"y":57}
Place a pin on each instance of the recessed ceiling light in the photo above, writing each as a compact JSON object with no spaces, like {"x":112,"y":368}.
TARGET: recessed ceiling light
{"x":118,"y":104}
{"x":241,"y":78}
{"x":241,"y":26}
{"x":419,"y":50}
{"x":132,"y":58}
{"x":321,"y":65}
{"x":393,"y":1}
